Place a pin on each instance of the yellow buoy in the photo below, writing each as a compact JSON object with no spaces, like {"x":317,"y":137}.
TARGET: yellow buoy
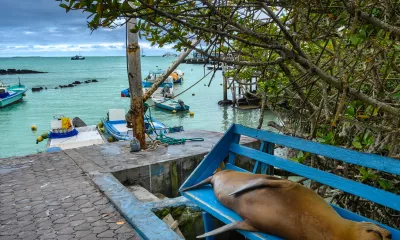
{"x":102,"y":130}
{"x":40,"y":139}
{"x":110,"y":139}
{"x":173,"y":111}
{"x":100,"y":124}
{"x":33,"y":127}
{"x":45,"y":135}
{"x":191,"y":114}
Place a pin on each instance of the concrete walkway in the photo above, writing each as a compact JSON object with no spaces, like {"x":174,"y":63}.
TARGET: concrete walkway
{"x":52,"y":195}
{"x":47,"y":196}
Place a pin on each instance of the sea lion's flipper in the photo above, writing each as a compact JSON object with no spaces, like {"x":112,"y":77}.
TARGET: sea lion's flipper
{"x":232,"y":226}
{"x":261,"y":183}
{"x":204,"y":182}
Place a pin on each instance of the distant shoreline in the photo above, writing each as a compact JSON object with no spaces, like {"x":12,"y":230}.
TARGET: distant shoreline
{"x":18,"y":71}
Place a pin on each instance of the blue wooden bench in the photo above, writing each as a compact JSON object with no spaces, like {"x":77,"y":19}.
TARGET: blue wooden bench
{"x":228,"y":147}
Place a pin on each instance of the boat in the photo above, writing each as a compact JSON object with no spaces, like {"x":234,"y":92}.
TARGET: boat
{"x":177,"y":76}
{"x":143,"y":54}
{"x":11,"y":94}
{"x":169,"y":54}
{"x":77,"y":57}
{"x":67,"y":134}
{"x":169,"y":104}
{"x":115,"y":125}
{"x":166,"y":88}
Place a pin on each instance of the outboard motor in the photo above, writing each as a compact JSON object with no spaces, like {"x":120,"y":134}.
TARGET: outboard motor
{"x":165,"y":91}
{"x":182,"y":104}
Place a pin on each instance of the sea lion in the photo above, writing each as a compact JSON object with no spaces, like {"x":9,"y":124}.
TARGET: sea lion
{"x":283,"y":208}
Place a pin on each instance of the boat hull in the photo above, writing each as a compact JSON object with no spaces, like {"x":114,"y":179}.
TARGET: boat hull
{"x":169,"y":104}
{"x":16,"y":94}
{"x":85,"y":136}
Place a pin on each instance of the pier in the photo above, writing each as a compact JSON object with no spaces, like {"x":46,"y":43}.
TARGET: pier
{"x":84,"y":193}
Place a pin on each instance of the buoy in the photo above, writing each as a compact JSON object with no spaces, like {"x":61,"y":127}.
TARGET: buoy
{"x":39,"y":139}
{"x":33,"y":127}
{"x":102,"y":130}
{"x":100,"y":125}
{"x":173,"y":111}
{"x":110,"y":139}
{"x":191,"y":114}
{"x":192,"y":94}
{"x":45,"y":135}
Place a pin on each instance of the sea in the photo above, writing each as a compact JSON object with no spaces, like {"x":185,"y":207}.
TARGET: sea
{"x":91,"y":101}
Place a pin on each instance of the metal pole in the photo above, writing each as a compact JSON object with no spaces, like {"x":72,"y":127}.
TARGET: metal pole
{"x":135,"y":84}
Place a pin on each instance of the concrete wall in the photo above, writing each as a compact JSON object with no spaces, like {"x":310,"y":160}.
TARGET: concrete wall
{"x":167,"y":177}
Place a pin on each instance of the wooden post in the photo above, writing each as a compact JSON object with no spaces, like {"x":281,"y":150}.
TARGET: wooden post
{"x":163,"y":77}
{"x":135,"y":84}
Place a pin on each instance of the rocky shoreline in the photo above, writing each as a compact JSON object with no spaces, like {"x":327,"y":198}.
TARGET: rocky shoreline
{"x":40,"y":88}
{"x":12,"y":71}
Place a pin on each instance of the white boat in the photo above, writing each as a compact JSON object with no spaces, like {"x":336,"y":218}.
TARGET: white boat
{"x":62,"y":138}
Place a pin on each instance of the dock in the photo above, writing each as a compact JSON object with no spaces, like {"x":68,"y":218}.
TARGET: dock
{"x":84,"y":193}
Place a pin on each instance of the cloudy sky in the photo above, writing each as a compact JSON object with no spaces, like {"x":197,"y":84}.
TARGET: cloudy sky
{"x":42,"y":28}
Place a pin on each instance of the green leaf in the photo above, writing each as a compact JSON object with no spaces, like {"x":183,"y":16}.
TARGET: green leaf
{"x":363,"y":171}
{"x":356,"y":145}
{"x":350,"y":110}
{"x":300,"y":154}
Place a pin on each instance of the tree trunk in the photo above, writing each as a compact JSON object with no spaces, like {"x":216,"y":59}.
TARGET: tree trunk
{"x":135,"y":84}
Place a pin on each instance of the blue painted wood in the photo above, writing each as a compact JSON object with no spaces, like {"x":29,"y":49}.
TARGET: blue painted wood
{"x":363,"y":159}
{"x":376,"y":195}
{"x":212,"y":161}
{"x":232,"y":156}
{"x":271,"y":150}
{"x":208,"y":224}
{"x":144,"y":221}
{"x":262,"y":147}
{"x":264,"y":166}
{"x":229,"y":166}
{"x":205,"y":198}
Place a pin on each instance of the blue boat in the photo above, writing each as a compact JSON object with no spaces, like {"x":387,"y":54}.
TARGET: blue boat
{"x":169,"y":104}
{"x":115,"y":125}
{"x":11,"y":94}
{"x":148,"y":82}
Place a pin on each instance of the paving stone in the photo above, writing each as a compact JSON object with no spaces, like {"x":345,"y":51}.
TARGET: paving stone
{"x":66,"y":231}
{"x":100,"y":229}
{"x":50,"y":197}
{"x":106,"y":234}
{"x":80,"y":234}
{"x":83,"y":226}
{"x":77,"y":223}
{"x":65,"y":237}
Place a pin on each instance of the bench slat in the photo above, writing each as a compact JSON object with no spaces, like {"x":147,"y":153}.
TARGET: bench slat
{"x":363,"y":159}
{"x":376,"y":195}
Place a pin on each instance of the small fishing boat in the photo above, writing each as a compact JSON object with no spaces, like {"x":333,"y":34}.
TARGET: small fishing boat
{"x":115,"y":125}
{"x":169,"y":104}
{"x":11,"y":94}
{"x":165,"y":88}
{"x":67,"y":134}
{"x":177,"y":76}
{"x":77,"y":57}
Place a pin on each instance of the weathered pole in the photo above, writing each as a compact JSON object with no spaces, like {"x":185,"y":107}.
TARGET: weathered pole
{"x":165,"y":75}
{"x":135,"y":84}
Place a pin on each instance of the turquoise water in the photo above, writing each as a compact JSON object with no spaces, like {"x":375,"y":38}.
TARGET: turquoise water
{"x":91,"y":101}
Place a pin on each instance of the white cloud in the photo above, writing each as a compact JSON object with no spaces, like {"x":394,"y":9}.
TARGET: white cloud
{"x":28,"y":33}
